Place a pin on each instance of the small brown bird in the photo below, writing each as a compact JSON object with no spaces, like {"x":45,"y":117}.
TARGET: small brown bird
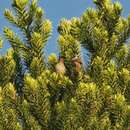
{"x":77,"y":62}
{"x":60,"y":67}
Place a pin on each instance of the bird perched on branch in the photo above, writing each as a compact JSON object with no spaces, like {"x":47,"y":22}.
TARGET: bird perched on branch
{"x":60,"y":67}
{"x":77,"y":62}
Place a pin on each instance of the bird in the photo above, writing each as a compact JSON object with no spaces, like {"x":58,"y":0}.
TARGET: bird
{"x":77,"y":62}
{"x":60,"y":66}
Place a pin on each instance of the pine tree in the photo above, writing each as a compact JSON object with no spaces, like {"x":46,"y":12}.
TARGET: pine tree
{"x":60,"y":94}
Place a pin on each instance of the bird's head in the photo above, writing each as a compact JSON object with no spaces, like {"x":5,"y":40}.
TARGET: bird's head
{"x":76,"y":59}
{"x":61,"y":59}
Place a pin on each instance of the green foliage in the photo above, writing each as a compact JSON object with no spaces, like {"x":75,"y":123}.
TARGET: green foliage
{"x":35,"y":29}
{"x":35,"y":96}
{"x":7,"y":67}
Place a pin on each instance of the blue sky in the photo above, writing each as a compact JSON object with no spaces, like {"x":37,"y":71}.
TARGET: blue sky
{"x":55,"y":10}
